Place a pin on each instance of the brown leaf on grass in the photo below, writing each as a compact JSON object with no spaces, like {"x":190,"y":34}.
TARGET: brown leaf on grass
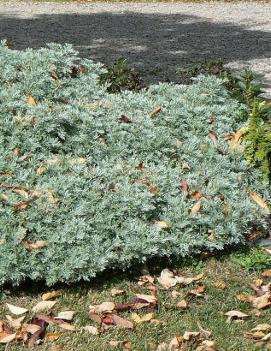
{"x":262,"y":301}
{"x":258,"y":335}
{"x":43,"y":305}
{"x":245,"y":297}
{"x":204,"y":333}
{"x":184,"y":186}
{"x":167,"y":279}
{"x":220,"y":284}
{"x":267,"y":273}
{"x":154,"y":112}
{"x":141,"y":319}
{"x":31,"y":328}
{"x":213,"y":136}
{"x":52,"y":294}
{"x":90,"y":329}
{"x":6,"y":338}
{"x":190,"y":335}
{"x":235,"y":315}
{"x":16,"y":309}
{"x":65,"y":315}
{"x":182,"y":304}
{"x":53,"y":336}
{"x":95,"y":317}
{"x":34,"y":245}
{"x":262,"y":327}
{"x":126,"y":345}
{"x":121,"y":322}
{"x":67,"y":326}
{"x":104,"y":307}
{"x":258,"y":282}
{"x":31,"y":101}
{"x":259,"y":200}
{"x":188,"y":280}
{"x":198,"y":292}
{"x":124,"y":119}
{"x":117,"y":292}
{"x":196,"y":208}
{"x":15,"y":323}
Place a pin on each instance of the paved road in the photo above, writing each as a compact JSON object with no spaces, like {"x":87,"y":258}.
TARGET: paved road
{"x":156,"y":37}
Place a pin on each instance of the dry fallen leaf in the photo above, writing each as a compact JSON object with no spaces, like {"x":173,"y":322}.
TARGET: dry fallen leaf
{"x":16,"y":310}
{"x":259,"y":200}
{"x":104,"y":307}
{"x":167,"y":279}
{"x":245,"y":297}
{"x":267,"y":273}
{"x":196,"y":208}
{"x":175,"y":294}
{"x":154,"y":112}
{"x":121,"y":322}
{"x":34,"y":245}
{"x":182,"y":304}
{"x":53,"y":336}
{"x":31,"y":101}
{"x":162,"y":224}
{"x":190,"y":335}
{"x":67,"y":326}
{"x":236,"y":138}
{"x":152,"y":299}
{"x":51,"y":295}
{"x":90,"y":329}
{"x":235,"y":315}
{"x":31,"y":328}
{"x":141,"y":319}
{"x":197,"y":195}
{"x":43,"y":305}
{"x":262,"y":327}
{"x":262,"y":301}
{"x":65,"y":315}
{"x":6,"y":338}
{"x":126,"y":345}
{"x":220,"y":284}
{"x":145,"y":279}
{"x":15,"y":323}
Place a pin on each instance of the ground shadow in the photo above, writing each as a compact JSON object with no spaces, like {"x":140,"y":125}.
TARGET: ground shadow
{"x":156,"y":43}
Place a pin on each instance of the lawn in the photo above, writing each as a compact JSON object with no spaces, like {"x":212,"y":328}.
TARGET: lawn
{"x":226,"y":281}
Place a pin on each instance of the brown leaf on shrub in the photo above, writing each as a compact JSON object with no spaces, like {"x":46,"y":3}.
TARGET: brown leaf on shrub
{"x":21,"y":191}
{"x":184,"y":186}
{"x":196,"y":208}
{"x":259,"y":200}
{"x":154,"y":112}
{"x":31,"y":101}
{"x":34,"y":245}
{"x":22,"y":205}
{"x":197,"y":195}
{"x":162,"y":224}
{"x":124,"y":119}
{"x":213,"y":136}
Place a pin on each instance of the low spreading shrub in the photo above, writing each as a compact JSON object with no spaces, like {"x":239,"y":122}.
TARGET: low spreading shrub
{"x":91,"y":180}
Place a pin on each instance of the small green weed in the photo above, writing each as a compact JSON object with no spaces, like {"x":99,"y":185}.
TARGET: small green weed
{"x":253,"y":259}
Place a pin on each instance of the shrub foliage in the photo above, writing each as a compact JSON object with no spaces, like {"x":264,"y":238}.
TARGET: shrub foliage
{"x":91,"y":180}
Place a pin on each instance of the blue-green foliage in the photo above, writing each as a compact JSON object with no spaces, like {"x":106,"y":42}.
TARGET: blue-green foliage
{"x":74,"y":173}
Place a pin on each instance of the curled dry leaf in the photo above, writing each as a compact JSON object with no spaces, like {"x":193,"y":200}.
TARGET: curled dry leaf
{"x":41,"y":170}
{"x":235,"y":315}
{"x":167,"y":279}
{"x":43,"y":305}
{"x":104,"y":307}
{"x":16,"y":310}
{"x":51,"y":295}
{"x":141,"y":319}
{"x":190,"y":335}
{"x":90,"y":329}
{"x":236,"y":138}
{"x":259,"y":200}
{"x":198,"y":291}
{"x":152,"y":299}
{"x":116,"y":292}
{"x":65,"y":315}
{"x":188,"y":280}
{"x":21,"y":192}
{"x":197,"y":195}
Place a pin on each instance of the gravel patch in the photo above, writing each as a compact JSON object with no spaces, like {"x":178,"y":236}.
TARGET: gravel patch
{"x":157,"y":38}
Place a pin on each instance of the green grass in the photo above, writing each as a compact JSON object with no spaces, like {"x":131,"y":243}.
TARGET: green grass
{"x":209,"y":312}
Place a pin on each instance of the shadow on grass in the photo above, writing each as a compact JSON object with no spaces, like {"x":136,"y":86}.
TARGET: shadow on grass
{"x":156,"y":43}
